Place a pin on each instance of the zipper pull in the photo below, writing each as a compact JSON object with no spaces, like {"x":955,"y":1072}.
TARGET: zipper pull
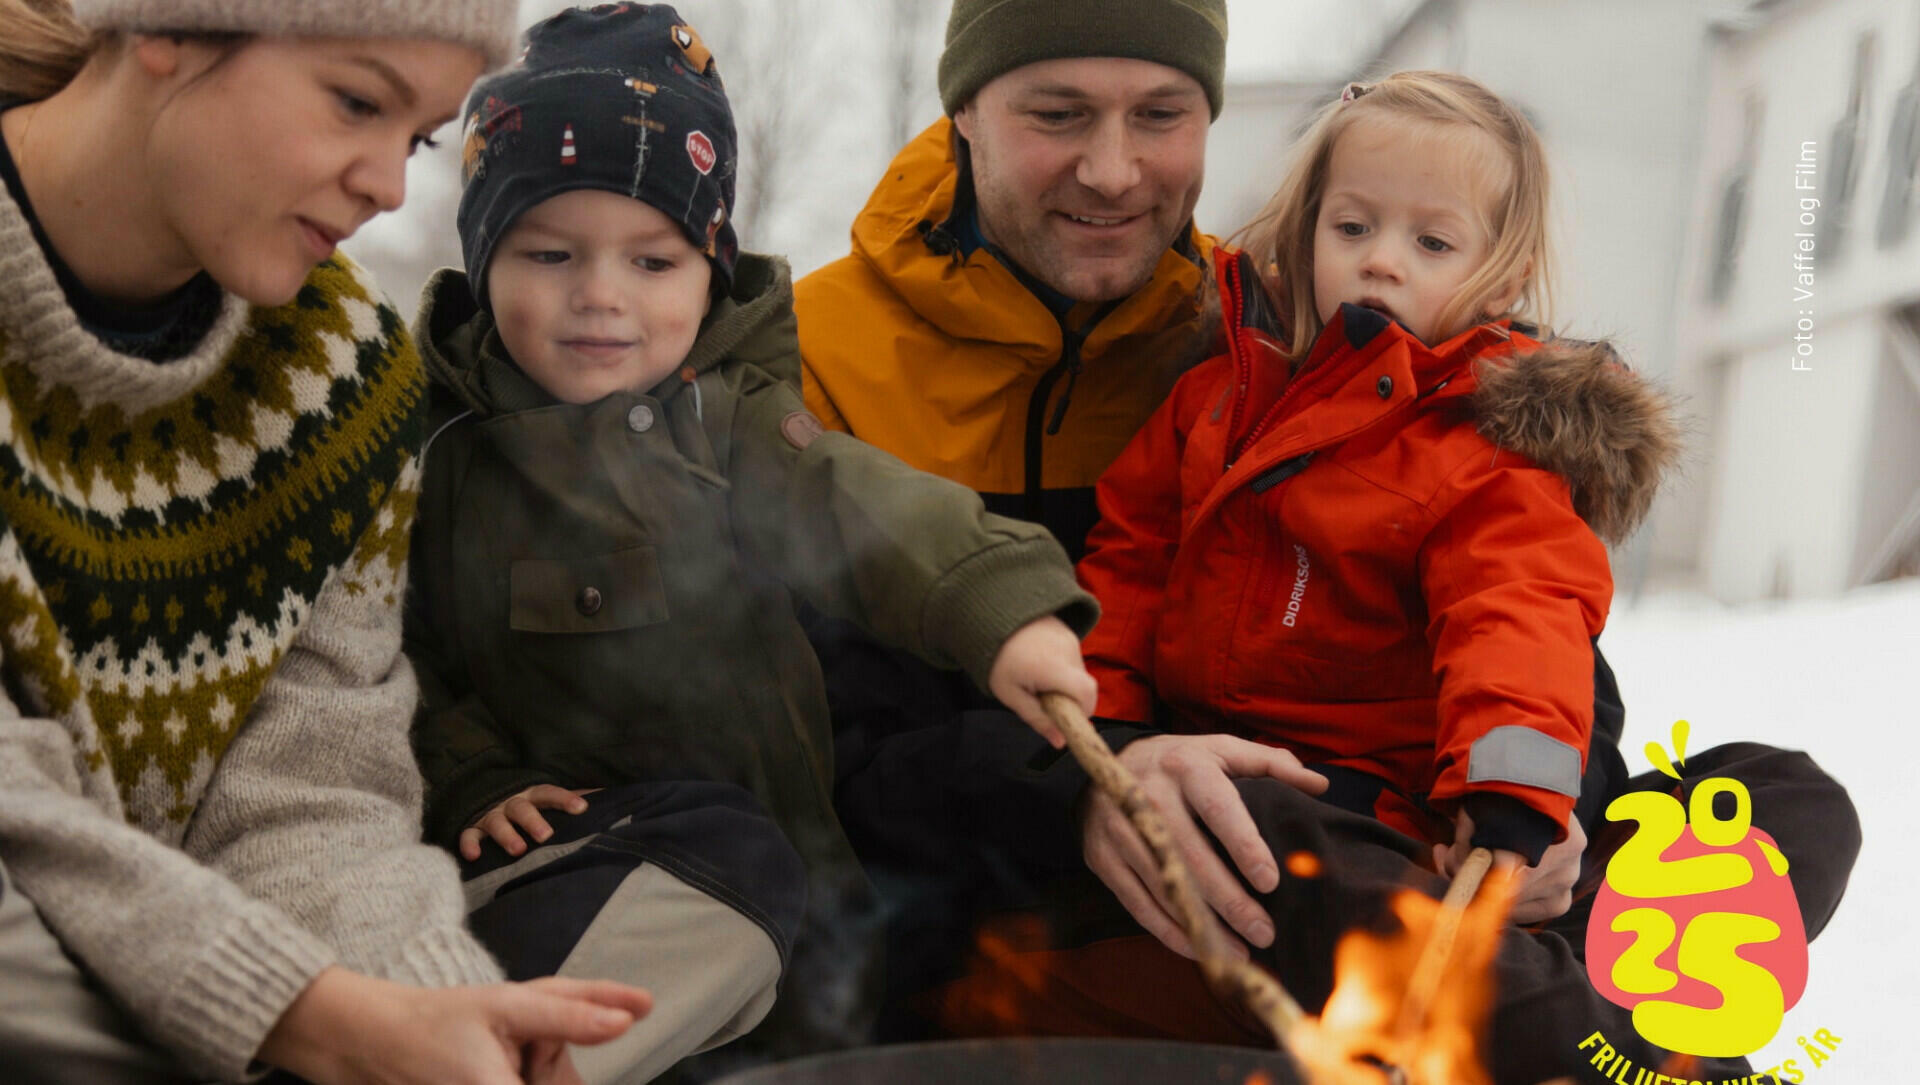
{"x":1281,"y":473}
{"x":938,"y":240}
{"x":1066,"y":394}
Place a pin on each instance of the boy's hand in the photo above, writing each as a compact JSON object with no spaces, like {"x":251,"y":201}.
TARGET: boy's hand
{"x":1540,"y":892}
{"x":519,"y":813}
{"x":1042,"y":656}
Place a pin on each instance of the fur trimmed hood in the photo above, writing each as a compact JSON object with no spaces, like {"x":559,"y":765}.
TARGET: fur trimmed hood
{"x":1576,"y":409}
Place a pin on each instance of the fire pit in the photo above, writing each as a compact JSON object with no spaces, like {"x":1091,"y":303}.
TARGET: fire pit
{"x":1031,"y":1062}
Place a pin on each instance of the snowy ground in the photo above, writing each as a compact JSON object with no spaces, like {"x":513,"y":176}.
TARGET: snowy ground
{"x":1837,"y":678}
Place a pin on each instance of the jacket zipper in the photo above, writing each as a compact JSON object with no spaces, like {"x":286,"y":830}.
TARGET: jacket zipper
{"x":1243,"y":371}
{"x":1038,"y":425}
{"x":1243,"y":374}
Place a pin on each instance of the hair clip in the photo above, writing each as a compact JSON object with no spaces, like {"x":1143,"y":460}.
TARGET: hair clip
{"x":1354,"y":90}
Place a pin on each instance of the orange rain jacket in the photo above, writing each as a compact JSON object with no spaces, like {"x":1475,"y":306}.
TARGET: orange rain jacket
{"x":953,"y":365}
{"x":1342,"y":564}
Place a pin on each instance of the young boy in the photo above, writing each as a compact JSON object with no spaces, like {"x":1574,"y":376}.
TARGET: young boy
{"x":624,"y":496}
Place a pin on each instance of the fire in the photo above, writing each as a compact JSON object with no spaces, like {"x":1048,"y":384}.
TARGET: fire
{"x":1408,"y":1006}
{"x":1006,"y":981}
{"x":1390,"y":1010}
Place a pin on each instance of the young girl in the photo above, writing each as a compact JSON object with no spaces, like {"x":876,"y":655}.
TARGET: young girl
{"x":1371,"y":531}
{"x":209,"y":818}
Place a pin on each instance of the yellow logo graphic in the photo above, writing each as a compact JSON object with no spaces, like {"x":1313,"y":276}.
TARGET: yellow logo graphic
{"x":1697,"y":929}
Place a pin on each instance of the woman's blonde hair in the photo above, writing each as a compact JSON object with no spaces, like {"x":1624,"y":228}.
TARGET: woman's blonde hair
{"x":1280,"y":238}
{"x":41,"y":47}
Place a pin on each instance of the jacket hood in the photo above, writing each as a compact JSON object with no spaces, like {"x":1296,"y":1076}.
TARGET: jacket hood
{"x":462,"y":351}
{"x":1576,"y":409}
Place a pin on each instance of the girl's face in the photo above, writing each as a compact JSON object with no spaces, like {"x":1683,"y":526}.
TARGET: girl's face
{"x":266,"y":158}
{"x":1403,"y":221}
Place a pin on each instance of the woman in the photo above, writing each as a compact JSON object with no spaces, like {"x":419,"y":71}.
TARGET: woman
{"x":208,"y":810}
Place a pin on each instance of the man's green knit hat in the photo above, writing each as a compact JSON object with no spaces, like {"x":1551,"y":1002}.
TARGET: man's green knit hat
{"x":986,"y":38}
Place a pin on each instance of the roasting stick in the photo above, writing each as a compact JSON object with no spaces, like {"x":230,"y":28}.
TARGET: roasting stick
{"x":1424,"y":984}
{"x":1236,"y":980}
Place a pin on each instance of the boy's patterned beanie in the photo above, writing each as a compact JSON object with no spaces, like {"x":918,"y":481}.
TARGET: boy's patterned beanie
{"x":986,"y":38}
{"x":620,"y":97}
{"x":486,"y":25}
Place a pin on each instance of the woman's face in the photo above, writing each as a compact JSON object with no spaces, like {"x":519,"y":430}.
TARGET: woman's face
{"x":266,"y":157}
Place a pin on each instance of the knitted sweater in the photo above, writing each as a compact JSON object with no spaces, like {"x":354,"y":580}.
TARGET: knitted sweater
{"x":205,"y":782}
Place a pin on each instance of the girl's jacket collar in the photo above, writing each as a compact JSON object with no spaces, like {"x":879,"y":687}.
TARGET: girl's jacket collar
{"x":1571,"y":406}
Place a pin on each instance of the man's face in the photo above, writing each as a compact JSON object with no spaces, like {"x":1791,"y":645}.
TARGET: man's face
{"x":1087,"y":169}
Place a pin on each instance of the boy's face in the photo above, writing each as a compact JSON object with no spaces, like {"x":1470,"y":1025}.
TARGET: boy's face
{"x":1402,"y":221}
{"x":596,"y":293}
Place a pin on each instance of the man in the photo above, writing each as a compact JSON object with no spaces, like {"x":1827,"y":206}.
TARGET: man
{"x":1024,"y":286}
{"x":1029,"y":268}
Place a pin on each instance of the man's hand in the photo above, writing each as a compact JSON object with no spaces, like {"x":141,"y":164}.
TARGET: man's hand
{"x":351,"y":1028}
{"x":1042,"y":656}
{"x":519,"y":813}
{"x":1186,"y":775}
{"x":1540,"y":892}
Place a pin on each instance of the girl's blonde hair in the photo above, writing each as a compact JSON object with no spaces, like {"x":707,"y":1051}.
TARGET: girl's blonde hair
{"x":41,"y":47}
{"x":1280,"y":238}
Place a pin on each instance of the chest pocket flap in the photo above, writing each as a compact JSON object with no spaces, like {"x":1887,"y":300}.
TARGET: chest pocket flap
{"x":594,"y":594}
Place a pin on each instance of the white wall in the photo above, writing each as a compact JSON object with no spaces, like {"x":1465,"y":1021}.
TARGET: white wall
{"x":1813,"y":468}
{"x":1247,"y":148}
{"x":1783,"y":506}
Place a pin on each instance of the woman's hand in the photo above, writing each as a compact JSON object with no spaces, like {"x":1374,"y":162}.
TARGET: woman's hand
{"x":1042,"y":656}
{"x":519,"y":813}
{"x":347,"y":1028}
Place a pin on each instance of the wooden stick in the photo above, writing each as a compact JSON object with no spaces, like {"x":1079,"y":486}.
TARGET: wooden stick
{"x":1424,"y":984}
{"x":1238,"y":981}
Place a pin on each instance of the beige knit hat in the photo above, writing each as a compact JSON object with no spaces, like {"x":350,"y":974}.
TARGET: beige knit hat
{"x":486,"y":25}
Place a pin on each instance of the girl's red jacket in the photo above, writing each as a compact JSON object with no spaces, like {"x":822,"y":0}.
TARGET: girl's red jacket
{"x":1387,"y":563}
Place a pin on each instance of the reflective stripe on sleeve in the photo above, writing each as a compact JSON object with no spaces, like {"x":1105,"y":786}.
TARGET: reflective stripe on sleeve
{"x":1521,"y":755}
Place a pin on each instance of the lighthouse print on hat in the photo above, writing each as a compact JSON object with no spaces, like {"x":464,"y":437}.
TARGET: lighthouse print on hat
{"x":567,"y":156}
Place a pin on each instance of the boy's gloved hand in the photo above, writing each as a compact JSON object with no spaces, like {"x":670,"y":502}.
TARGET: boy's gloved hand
{"x":520,"y":812}
{"x":1042,"y":656}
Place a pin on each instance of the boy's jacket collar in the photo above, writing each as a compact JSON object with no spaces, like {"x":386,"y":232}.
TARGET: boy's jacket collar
{"x":462,"y":350}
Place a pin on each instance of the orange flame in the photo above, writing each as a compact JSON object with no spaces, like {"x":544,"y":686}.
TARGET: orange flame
{"x":1018,"y":986}
{"x":1005,"y":980}
{"x":1361,"y":1027}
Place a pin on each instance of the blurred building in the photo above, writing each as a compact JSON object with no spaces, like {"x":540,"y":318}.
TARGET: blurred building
{"x":1674,"y":129}
{"x":1800,"y":296}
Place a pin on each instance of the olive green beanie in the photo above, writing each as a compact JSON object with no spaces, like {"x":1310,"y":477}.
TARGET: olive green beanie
{"x":986,"y":38}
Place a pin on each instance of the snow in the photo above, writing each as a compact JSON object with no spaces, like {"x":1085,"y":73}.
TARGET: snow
{"x":1833,"y":677}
